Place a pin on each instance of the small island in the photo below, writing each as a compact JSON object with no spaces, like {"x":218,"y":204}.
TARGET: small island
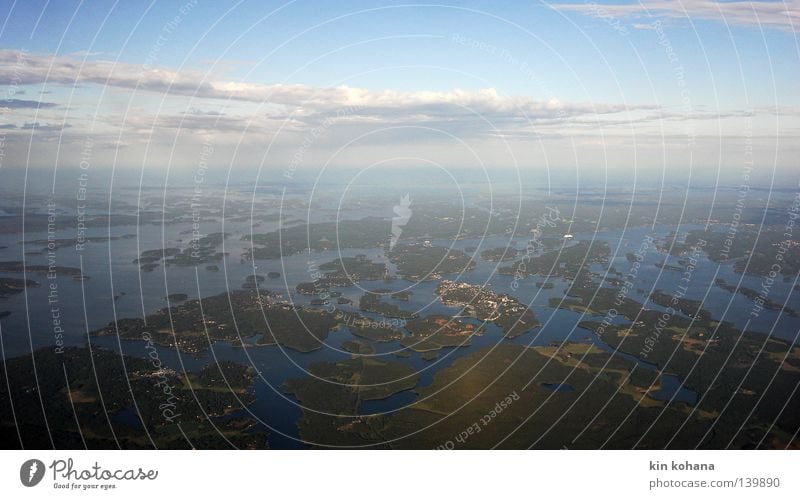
{"x":372,"y":302}
{"x":435,"y":332}
{"x":10,"y":286}
{"x":421,"y":261}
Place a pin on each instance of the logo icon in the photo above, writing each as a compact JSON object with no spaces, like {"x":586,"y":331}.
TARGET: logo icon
{"x":31,"y":472}
{"x":403,"y":214}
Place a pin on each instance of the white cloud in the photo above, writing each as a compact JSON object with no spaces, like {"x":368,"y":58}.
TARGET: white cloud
{"x":243,"y":118}
{"x":784,"y":15}
{"x":302,"y":102}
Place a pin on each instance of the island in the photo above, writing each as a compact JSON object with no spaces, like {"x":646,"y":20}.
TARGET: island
{"x":192,"y":325}
{"x":505,"y":311}
{"x":373,"y":302}
{"x":339,"y":389}
{"x":435,"y":332}
{"x":10,"y":286}
{"x":421,"y":261}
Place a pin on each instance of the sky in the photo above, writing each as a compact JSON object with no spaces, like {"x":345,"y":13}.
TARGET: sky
{"x":652,"y":86}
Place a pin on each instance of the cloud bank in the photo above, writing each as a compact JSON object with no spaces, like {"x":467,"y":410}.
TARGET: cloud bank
{"x":156,"y":114}
{"x":301,"y":101}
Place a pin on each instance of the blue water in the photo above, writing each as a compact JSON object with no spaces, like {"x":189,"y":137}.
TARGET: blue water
{"x":128,"y":416}
{"x":671,"y":390}
{"x":112,"y":273}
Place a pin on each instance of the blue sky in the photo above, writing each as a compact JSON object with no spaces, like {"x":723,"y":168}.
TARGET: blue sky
{"x":566,"y":80}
